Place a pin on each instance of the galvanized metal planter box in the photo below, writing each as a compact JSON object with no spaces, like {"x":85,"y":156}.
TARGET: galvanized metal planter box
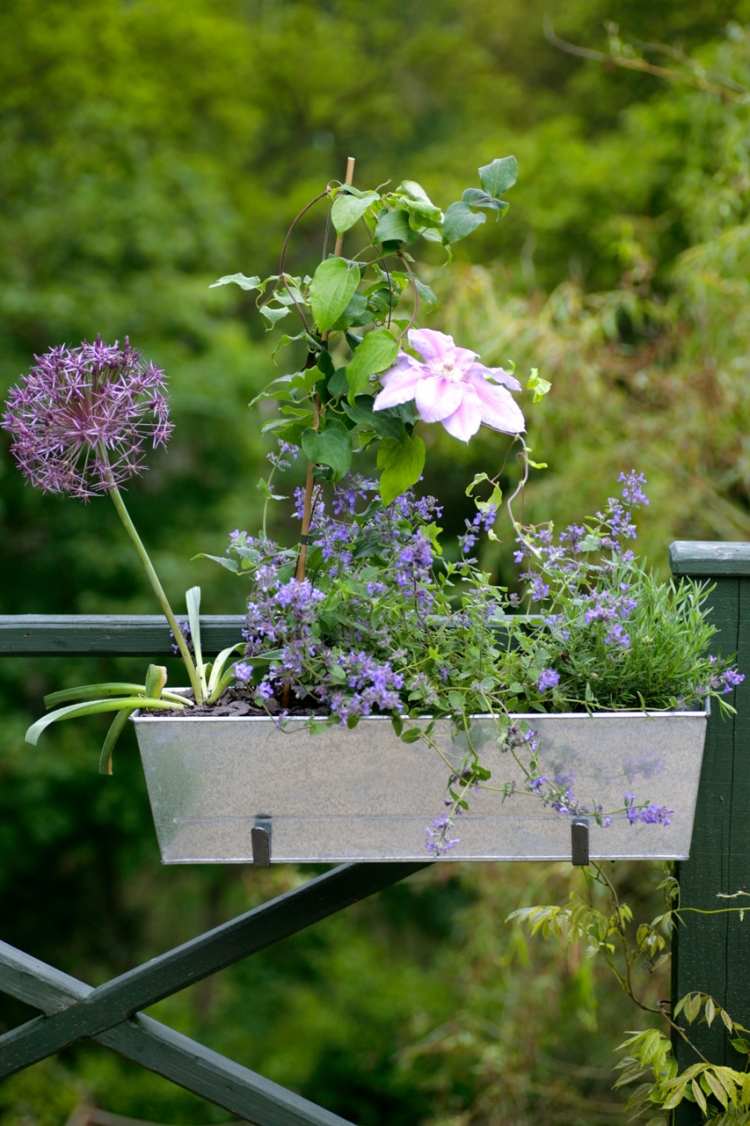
{"x":365,"y":795}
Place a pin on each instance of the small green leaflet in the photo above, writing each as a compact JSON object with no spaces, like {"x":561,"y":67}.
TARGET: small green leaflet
{"x":475,"y":197}
{"x":376,"y":353}
{"x":332,"y":447}
{"x":241,"y":280}
{"x":539,"y":387}
{"x":156,"y":680}
{"x":426,"y":294}
{"x":400,"y":463}
{"x":333,"y":285}
{"x":349,"y":209}
{"x":499,"y":175}
{"x":460,"y":221}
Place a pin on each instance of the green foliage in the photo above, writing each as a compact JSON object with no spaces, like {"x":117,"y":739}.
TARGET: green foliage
{"x":400,"y":461}
{"x":145,"y":146}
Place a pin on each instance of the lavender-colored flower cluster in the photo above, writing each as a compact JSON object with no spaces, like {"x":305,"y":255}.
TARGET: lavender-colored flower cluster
{"x":548,"y":679}
{"x":483,"y":521}
{"x":82,"y":419}
{"x":309,"y":643}
{"x":648,"y":813}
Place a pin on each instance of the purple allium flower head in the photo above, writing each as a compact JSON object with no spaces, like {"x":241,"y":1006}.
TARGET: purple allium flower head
{"x":82,"y":418}
{"x":548,"y":678}
{"x":449,"y":385}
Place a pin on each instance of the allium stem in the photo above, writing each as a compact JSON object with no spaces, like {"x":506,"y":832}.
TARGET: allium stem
{"x":159,"y":591}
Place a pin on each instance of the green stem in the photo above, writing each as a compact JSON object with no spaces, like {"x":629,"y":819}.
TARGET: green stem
{"x":158,"y":589}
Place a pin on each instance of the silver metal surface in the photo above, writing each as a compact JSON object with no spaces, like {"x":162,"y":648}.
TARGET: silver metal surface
{"x":365,"y":795}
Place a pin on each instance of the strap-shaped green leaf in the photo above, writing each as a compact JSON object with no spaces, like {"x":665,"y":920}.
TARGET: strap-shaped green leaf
{"x":193,"y":603}
{"x":218,"y":667}
{"x":96,"y":707}
{"x":110,"y":740}
{"x":102,"y":691}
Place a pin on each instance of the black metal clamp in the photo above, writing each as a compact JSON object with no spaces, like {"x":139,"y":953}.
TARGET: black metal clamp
{"x":260,"y":836}
{"x":579,"y":841}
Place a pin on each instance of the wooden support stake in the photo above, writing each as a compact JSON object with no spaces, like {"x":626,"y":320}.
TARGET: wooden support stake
{"x":310,"y":477}
{"x":711,"y":953}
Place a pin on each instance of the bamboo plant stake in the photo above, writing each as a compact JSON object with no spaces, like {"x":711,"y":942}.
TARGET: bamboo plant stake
{"x":309,"y":480}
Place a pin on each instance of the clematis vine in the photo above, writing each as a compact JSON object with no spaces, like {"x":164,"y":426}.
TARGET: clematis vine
{"x":449,"y":385}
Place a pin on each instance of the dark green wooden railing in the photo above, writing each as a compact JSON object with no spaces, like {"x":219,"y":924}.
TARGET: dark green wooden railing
{"x":712,"y":952}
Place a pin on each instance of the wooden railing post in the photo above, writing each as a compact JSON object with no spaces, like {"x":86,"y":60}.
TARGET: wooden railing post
{"x":711,"y":953}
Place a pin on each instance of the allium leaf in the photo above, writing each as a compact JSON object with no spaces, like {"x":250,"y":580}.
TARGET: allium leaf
{"x":460,"y":221}
{"x":348,"y":209}
{"x":96,"y":707}
{"x":156,"y":680}
{"x":376,"y":353}
{"x":241,"y":280}
{"x":333,"y":285}
{"x":114,"y":732}
{"x":400,"y":463}
{"x":499,"y":175}
{"x":193,"y":604}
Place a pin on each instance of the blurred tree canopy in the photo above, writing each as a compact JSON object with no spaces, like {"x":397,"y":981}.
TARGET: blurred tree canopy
{"x":148,"y":146}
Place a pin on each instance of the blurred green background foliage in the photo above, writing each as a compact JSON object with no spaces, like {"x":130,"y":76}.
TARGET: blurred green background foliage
{"x":148,"y":146}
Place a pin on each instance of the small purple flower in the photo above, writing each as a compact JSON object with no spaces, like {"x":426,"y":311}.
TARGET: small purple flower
{"x":539,"y":589}
{"x":632,"y":488}
{"x":82,"y":418}
{"x":548,"y":678}
{"x":729,"y":680}
{"x":648,"y":813}
{"x":243,"y":672}
{"x":437,"y":840}
{"x":618,"y":636}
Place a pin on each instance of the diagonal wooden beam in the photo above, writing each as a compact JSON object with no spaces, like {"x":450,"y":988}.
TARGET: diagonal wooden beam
{"x":161,"y":1050}
{"x":112,"y":1003}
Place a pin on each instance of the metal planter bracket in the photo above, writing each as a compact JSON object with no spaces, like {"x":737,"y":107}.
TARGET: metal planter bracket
{"x":579,"y":842}
{"x":260,"y":835}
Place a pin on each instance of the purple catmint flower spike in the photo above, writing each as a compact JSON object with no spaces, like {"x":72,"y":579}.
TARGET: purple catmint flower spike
{"x":83,"y":418}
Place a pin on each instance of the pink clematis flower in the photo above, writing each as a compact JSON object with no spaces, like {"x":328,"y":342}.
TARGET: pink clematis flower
{"x":449,"y":385}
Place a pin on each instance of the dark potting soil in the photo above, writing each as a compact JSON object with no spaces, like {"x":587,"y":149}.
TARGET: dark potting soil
{"x":232,"y":703}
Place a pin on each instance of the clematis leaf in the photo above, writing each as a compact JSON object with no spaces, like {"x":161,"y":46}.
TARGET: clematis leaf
{"x":331,"y":447}
{"x":377,"y":352}
{"x":460,"y":221}
{"x":333,"y":285}
{"x":499,"y":175}
{"x":348,"y":209}
{"x":400,"y":462}
{"x":475,"y":197}
{"x":241,"y":280}
{"x":393,"y":227}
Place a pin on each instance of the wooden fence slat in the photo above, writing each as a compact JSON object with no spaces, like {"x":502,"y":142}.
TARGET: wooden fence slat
{"x":711,"y":953}
{"x":50,"y":635}
{"x":166,"y":974}
{"x":167,"y":1053}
